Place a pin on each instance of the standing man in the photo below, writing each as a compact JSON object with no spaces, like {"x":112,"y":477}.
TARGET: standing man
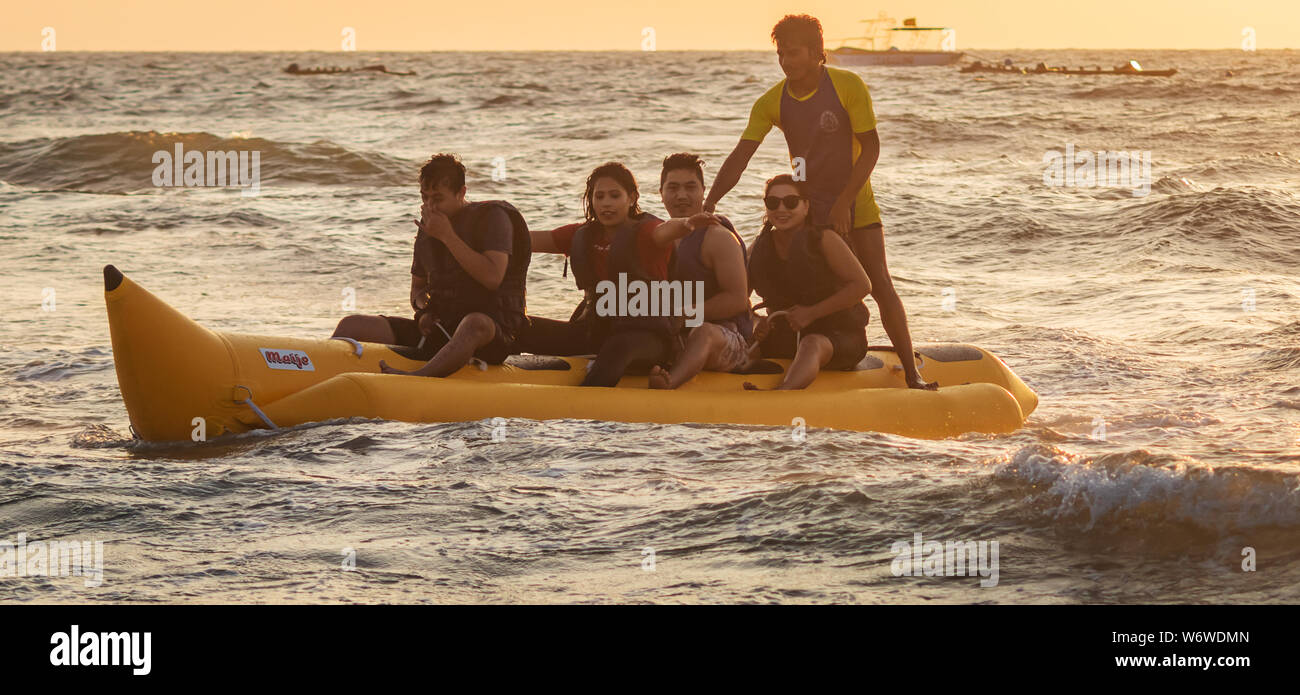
{"x":830,"y":130}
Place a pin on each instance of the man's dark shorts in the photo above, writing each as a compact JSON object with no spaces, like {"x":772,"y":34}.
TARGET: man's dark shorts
{"x":407,"y":333}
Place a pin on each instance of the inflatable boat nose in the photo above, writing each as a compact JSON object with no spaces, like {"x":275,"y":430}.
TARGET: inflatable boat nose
{"x":169,"y":368}
{"x":112,"y":278}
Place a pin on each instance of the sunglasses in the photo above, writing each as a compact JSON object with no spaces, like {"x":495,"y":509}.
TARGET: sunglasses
{"x":790,"y":201}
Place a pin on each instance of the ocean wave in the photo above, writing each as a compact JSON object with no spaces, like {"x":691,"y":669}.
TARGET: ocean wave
{"x":407,"y":100}
{"x":1182,"y":90}
{"x":506,"y":100}
{"x":532,"y":86}
{"x":1266,"y":164}
{"x":46,"y":100}
{"x":123,"y":162}
{"x":1248,"y":224}
{"x":1278,"y":359}
{"x":62,"y":365}
{"x":1137,"y":490}
{"x":100,"y":436}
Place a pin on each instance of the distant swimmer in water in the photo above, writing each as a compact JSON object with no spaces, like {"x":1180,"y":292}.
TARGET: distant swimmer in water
{"x":293,"y":69}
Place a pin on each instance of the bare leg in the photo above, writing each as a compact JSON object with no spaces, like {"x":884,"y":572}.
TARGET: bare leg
{"x":473,"y":332}
{"x":869,"y":247}
{"x":367,"y":329}
{"x":703,"y":341}
{"x":814,"y":352}
{"x":620,"y":351}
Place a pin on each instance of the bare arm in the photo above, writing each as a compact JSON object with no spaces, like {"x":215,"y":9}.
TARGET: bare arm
{"x":867,"y":158}
{"x":544,"y":240}
{"x":729,"y":174}
{"x":487,"y":268}
{"x":418,"y":285}
{"x":677,"y":227}
{"x":723,"y":255}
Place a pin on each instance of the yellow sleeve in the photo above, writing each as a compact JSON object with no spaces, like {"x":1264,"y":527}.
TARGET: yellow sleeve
{"x":765,"y":114}
{"x":855,"y":98}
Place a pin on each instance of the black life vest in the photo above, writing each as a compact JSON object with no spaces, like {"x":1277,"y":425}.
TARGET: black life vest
{"x":687,"y":265}
{"x":623,"y":257}
{"x":803,"y":278}
{"x":453,"y":293}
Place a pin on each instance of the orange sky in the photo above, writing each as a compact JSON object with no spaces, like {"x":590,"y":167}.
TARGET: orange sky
{"x":407,"y":25}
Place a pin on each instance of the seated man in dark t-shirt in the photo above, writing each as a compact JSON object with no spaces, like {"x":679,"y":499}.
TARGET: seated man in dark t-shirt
{"x":467,"y":278}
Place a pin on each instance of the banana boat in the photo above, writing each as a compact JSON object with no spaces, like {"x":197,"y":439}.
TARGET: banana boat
{"x":179,"y":380}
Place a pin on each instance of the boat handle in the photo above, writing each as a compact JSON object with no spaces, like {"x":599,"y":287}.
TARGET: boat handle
{"x":357,"y":347}
{"x":256,"y":409}
{"x":920,"y":362}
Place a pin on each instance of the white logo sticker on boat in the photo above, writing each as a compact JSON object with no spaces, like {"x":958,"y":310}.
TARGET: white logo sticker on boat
{"x":293,"y":360}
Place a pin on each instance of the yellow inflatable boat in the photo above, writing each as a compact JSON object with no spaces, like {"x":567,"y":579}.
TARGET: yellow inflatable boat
{"x":181,"y":381}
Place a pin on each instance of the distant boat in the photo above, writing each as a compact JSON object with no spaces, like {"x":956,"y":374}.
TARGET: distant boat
{"x":293,"y":69}
{"x":1132,"y":68}
{"x":921,"y":45}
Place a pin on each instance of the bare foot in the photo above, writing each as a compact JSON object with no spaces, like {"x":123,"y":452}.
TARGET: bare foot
{"x":917,"y":382}
{"x":659,"y":378}
{"x":384,"y":368}
{"x":751,"y":386}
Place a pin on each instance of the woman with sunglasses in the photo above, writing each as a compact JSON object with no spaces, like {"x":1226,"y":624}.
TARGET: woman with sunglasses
{"x":812,"y":286}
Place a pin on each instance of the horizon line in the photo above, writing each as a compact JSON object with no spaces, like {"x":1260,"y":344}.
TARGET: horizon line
{"x":610,"y":50}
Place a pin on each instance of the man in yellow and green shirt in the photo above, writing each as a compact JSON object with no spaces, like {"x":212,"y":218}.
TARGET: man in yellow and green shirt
{"x":830,"y":130}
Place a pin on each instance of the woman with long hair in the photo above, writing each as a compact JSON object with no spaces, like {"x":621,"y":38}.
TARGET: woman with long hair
{"x":616,"y":238}
{"x":812,"y":286}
